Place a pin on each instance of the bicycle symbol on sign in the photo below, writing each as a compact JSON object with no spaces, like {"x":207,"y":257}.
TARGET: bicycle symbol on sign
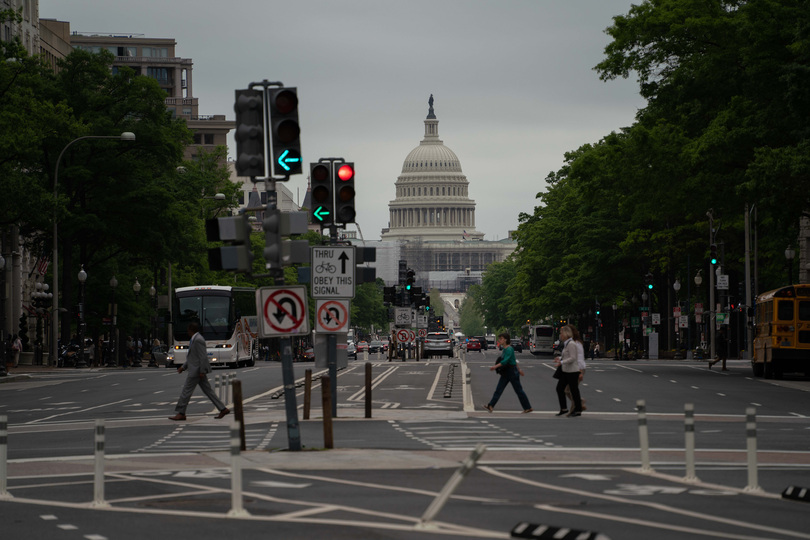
{"x":325,"y":268}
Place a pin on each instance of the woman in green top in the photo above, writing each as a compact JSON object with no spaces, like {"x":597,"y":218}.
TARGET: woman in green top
{"x":510,"y":373}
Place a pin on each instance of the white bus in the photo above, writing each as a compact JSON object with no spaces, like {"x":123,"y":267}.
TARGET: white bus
{"x":541,"y":339}
{"x":227,"y":317}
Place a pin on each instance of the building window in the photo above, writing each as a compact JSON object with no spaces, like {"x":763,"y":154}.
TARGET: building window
{"x":209,"y":138}
{"x":156,"y":52}
{"x":159,"y":74}
{"x":186,"y":112}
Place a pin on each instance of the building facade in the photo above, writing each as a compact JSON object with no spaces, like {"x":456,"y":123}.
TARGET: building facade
{"x":432,"y":220}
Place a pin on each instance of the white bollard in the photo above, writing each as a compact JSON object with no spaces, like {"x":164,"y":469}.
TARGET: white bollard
{"x":237,"y":508}
{"x":689,"y":435}
{"x":644,"y":440}
{"x":98,"y":477}
{"x":751,"y":438}
{"x":216,"y":387}
{"x":4,"y":494}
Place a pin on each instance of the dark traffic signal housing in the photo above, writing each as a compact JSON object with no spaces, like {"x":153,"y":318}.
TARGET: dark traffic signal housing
{"x":713,"y":255}
{"x":249,"y":133}
{"x":235,"y":230}
{"x":285,"y":131}
{"x":344,"y":192}
{"x":322,"y":211}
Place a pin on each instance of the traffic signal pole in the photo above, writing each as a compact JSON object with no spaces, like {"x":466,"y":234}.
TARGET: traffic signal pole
{"x":712,"y":307}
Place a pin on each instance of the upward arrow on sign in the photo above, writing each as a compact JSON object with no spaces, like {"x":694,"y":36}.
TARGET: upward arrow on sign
{"x":343,"y":258}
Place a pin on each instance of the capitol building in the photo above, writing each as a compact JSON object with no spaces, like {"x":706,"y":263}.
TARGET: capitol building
{"x":432,"y":221}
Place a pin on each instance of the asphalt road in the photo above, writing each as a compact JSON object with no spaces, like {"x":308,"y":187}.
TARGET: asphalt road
{"x":384,"y":474}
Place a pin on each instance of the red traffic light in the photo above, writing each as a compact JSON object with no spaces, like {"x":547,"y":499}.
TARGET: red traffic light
{"x":345,"y":172}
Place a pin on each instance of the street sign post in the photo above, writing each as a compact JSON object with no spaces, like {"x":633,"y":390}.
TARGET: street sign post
{"x":332,"y":271}
{"x":282,"y":311}
{"x":332,"y":316}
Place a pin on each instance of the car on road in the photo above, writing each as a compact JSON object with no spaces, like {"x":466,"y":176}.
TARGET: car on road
{"x":483,"y":341}
{"x":517,"y":345}
{"x":437,"y":344}
{"x":375,"y":347}
{"x":362,"y":346}
{"x":351,"y":350}
{"x":473,"y":345}
{"x":308,"y":355}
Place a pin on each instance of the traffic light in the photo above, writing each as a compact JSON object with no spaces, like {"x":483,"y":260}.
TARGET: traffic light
{"x":713,"y":256}
{"x":236,"y":230}
{"x":279,"y":252}
{"x":426,"y":301}
{"x":410,"y":277}
{"x":249,"y":133}
{"x":285,"y":131}
{"x":389,"y":295}
{"x":403,"y":269}
{"x":322,"y":210}
{"x":344,"y":192}
{"x":648,"y":280}
{"x":272,"y":238}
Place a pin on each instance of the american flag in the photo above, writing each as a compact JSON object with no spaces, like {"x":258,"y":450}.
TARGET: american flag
{"x":466,"y":235}
{"x":42,"y":265}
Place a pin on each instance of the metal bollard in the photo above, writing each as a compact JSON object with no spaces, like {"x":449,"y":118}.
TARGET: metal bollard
{"x":644,"y":440}
{"x":326,"y":402}
{"x":447,"y":491}
{"x":216,"y":387}
{"x":98,"y":477}
{"x":307,"y":393}
{"x":751,"y":444}
{"x":4,"y":494}
{"x":689,"y":434}
{"x":368,"y":390}
{"x":237,"y":509}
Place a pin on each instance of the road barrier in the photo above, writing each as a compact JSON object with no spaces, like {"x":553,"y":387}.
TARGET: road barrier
{"x":237,"y":508}
{"x":4,"y":494}
{"x":689,"y":436}
{"x":547,"y":532}
{"x":98,"y":475}
{"x":449,"y":488}
{"x":643,"y":435}
{"x":751,"y":444}
{"x":796,"y":494}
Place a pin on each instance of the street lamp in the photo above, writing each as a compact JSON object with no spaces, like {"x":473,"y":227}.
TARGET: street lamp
{"x":137,"y":360}
{"x":790,"y":254}
{"x":113,"y":343}
{"x":677,"y":287}
{"x":82,"y":278}
{"x":125,"y":136}
{"x":153,"y":296}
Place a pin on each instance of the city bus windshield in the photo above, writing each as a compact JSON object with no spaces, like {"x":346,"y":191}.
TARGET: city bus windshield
{"x":212,"y":312}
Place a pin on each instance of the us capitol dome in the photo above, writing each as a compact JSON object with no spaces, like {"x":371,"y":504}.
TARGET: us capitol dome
{"x":432,"y":221}
{"x":432,"y":199}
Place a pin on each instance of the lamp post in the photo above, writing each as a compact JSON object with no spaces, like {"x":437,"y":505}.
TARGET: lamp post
{"x":3,"y":372}
{"x":677,"y":287}
{"x":153,"y":326}
{"x":137,"y":360}
{"x":113,"y":342}
{"x":615,"y":333}
{"x":82,"y":279}
{"x":125,"y":136}
{"x":790,"y":254}
{"x":698,"y":283}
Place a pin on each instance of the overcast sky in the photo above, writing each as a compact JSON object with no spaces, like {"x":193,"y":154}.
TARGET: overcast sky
{"x":513,"y":81}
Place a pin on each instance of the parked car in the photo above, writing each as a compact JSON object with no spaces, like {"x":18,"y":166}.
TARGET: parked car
{"x":473,"y":345}
{"x":438,"y":344}
{"x":375,"y":347}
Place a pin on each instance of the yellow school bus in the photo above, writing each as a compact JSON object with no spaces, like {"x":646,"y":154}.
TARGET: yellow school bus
{"x":782,"y":340}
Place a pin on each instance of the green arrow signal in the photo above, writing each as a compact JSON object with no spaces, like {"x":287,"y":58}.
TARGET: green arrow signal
{"x":284,"y":158}
{"x":320,"y":213}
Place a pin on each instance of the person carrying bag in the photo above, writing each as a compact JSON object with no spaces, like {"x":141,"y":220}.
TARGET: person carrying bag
{"x":509,"y":373}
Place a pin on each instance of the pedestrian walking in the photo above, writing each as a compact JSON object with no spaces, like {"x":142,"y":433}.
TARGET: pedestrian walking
{"x":568,"y":373}
{"x":722,"y":349}
{"x":16,"y":347}
{"x":198,"y":367}
{"x":509,"y":373}
{"x":582,"y":366}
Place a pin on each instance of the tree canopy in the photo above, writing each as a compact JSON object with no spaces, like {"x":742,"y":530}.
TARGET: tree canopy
{"x":725,"y":129}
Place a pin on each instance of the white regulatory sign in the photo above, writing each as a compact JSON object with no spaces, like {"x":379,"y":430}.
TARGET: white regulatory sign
{"x":332,"y":316}
{"x":282,"y":311}
{"x":332,"y":272}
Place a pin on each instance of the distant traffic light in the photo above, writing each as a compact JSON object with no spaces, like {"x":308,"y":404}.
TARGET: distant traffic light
{"x":410,"y":277}
{"x":322,"y":210}
{"x":648,"y":279}
{"x":713,"y":256}
{"x":238,"y":256}
{"x":285,"y":131}
{"x":344,"y":193}
{"x":249,"y":133}
{"x":389,"y":295}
